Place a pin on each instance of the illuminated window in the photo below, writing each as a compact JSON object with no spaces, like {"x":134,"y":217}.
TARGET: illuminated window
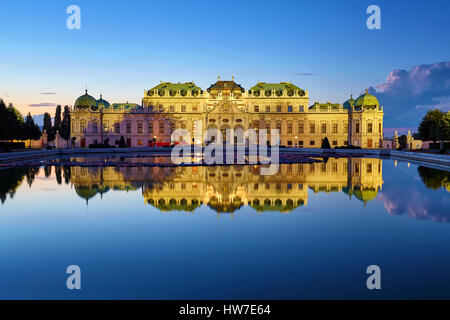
{"x":106,"y":127}
{"x":95,"y":127}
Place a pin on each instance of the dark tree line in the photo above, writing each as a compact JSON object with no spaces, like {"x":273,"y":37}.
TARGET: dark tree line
{"x":435,"y":126}
{"x":61,"y":124}
{"x":14,"y":127}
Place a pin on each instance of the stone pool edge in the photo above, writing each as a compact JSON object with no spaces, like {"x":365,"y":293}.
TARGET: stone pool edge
{"x":436,"y":159}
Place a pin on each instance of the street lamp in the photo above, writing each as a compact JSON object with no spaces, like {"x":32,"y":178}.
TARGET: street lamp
{"x":296,"y":141}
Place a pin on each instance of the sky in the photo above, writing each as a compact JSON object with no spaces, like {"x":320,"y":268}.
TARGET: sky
{"x":126,"y":47}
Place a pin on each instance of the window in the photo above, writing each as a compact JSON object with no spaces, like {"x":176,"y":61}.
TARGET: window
{"x":161,"y":126}
{"x":379,"y":127}
{"x":256,"y":108}
{"x":300,"y":143}
{"x":139,"y":127}
{"x":289,"y":108}
{"x":268,"y":127}
{"x":183,"y":108}
{"x":312,"y":142}
{"x":301,"y":108}
{"x":161,"y":109}
{"x":289,"y":186}
{"x":289,"y":127}
{"x":106,"y":127}
{"x":194,"y":108}
{"x":357,"y":127}
{"x":345,"y":127}
{"x":267,"y":108}
{"x":150,"y":127}
{"x":290,"y":143}
{"x":369,"y":168}
{"x":256,"y":186}
{"x":369,"y":127}
{"x":345,"y":142}
{"x":279,"y":127}
{"x":128,"y":128}
{"x":312,"y":128}
{"x":172,"y":108}
{"x":172,"y":127}
{"x":324,"y":128}
{"x":334,"y":167}
{"x":95,"y":127}
{"x":335,"y":128}
{"x":117,"y":127}
{"x":83,"y":126}
{"x":139,"y":142}
{"x":278,"y":108}
{"x":301,"y":127}
{"x":334,"y":142}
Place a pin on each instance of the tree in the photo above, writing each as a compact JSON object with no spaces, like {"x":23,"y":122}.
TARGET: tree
{"x":3,"y":121}
{"x":64,"y":130}
{"x":15,"y":124}
{"x":57,"y":120}
{"x":444,"y":128}
{"x":48,"y":127}
{"x":326,"y":144}
{"x":31,"y":130}
{"x":429,"y":127}
{"x":402,"y":141}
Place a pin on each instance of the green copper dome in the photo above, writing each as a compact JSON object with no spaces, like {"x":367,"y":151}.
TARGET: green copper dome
{"x":349,"y":103}
{"x":102,"y":103}
{"x":367,"y":101}
{"x":85,"y":101}
{"x":366,"y":195}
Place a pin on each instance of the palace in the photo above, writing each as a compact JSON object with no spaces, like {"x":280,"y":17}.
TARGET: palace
{"x":227,"y":105}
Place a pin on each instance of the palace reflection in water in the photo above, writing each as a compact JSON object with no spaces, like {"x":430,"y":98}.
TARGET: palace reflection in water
{"x":228,"y":188}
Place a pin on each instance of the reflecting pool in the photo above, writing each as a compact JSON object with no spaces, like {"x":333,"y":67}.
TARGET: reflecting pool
{"x":225,"y":232}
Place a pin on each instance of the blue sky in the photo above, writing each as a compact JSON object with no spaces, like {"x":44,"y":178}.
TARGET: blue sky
{"x":126,"y":47}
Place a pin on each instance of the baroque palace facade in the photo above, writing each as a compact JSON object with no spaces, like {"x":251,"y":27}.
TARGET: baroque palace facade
{"x":227,"y":105}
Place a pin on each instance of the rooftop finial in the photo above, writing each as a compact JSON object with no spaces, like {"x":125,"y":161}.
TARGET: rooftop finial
{"x":367,"y":91}
{"x":218,"y":77}
{"x":232,"y":77}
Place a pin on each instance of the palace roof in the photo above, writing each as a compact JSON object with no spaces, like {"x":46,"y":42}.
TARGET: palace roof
{"x":225,"y":85}
{"x":173,"y":88}
{"x":263,"y":87}
{"x":324,"y":106}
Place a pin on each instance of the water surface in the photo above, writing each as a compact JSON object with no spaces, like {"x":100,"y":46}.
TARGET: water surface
{"x":225,"y":232}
